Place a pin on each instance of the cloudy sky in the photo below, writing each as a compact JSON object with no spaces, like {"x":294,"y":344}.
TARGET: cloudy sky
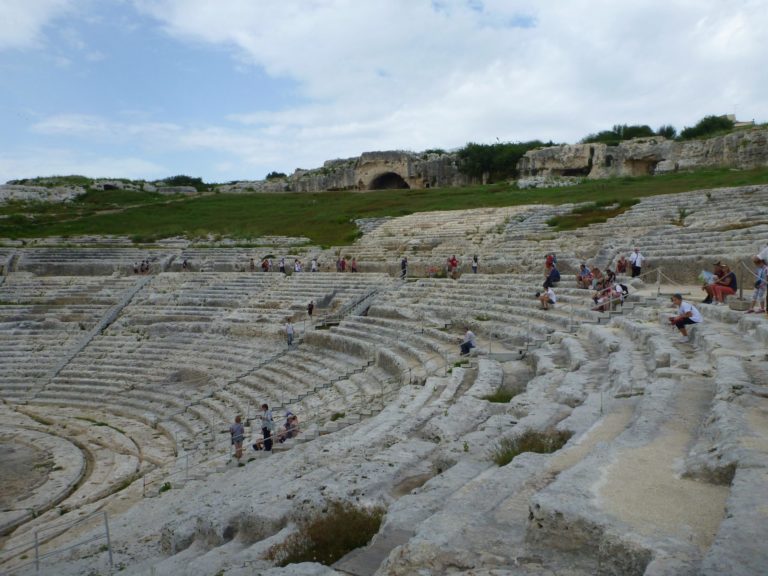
{"x":233,"y":89}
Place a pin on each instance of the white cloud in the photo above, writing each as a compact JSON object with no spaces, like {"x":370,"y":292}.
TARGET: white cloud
{"x":22,"y":21}
{"x":451,"y":71}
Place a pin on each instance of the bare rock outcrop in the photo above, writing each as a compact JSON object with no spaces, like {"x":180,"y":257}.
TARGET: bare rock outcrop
{"x":744,"y":149}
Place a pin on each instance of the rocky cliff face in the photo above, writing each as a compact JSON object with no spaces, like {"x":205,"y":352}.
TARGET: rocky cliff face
{"x":744,"y":149}
{"x":370,"y":171}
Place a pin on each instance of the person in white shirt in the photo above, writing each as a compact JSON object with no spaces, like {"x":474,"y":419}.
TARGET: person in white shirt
{"x":636,"y":260}
{"x":469,"y":341}
{"x":686,"y":314}
{"x":547,"y":297}
{"x":289,"y":332}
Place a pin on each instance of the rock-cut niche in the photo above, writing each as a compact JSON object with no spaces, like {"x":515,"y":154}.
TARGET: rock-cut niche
{"x":389,"y":181}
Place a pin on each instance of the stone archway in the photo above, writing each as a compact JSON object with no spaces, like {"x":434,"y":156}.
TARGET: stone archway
{"x":388,"y":181}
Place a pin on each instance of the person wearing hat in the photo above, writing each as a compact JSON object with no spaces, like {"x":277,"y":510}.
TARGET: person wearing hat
{"x":686,"y":314}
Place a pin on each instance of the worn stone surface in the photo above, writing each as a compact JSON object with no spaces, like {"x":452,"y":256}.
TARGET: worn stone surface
{"x":743,"y":149}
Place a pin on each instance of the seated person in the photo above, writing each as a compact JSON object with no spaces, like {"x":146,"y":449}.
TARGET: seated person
{"x":553,"y":277}
{"x":597,"y":279}
{"x":686,"y":314}
{"x":621,"y":265}
{"x":290,"y":429}
{"x":547,"y":298}
{"x":469,"y":341}
{"x":583,"y":277}
{"x":723,"y":286}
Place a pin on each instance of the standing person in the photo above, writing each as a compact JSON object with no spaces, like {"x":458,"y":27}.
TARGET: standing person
{"x":353,"y":265}
{"x":761,"y":281}
{"x":636,"y":260}
{"x":313,"y":265}
{"x":267,"y":426}
{"x":547,"y":298}
{"x":763,"y":255}
{"x":289,"y":332}
{"x":282,"y":264}
{"x":404,"y":267}
{"x":453,"y":265}
{"x":686,"y":314}
{"x":468,"y":342}
{"x":237,"y":434}
{"x":252,"y":265}
{"x":310,"y":309}
{"x":342,"y":265}
{"x":474,"y":264}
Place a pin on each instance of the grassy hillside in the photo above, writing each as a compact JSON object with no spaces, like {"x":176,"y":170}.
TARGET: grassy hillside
{"x":326,"y":218}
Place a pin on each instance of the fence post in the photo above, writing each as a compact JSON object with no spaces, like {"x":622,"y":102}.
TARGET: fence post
{"x":109,"y":541}
{"x":186,"y":467}
{"x":658,"y":282}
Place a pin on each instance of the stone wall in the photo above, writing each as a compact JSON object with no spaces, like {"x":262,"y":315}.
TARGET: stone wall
{"x":743,"y":149}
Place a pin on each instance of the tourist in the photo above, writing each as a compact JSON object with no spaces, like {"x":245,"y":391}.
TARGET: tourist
{"x":583,"y":276}
{"x":474,"y":264}
{"x":468,"y":342}
{"x":297,"y":265}
{"x":290,"y":429}
{"x":636,"y":260}
{"x":404,"y":267}
{"x":270,"y":264}
{"x":237,"y":435}
{"x":686,"y":314}
{"x":267,"y":426}
{"x":252,"y":265}
{"x":763,"y":255}
{"x":342,"y":265}
{"x":621,"y":265}
{"x":313,"y":265}
{"x":723,"y":286}
{"x":353,"y":265}
{"x":598,"y":281}
{"x":761,"y":281}
{"x":264,"y":265}
{"x":289,"y":332}
{"x":282,"y":265}
{"x":310,"y":309}
{"x":452,"y":266}
{"x":547,"y":298}
{"x":553,"y":277}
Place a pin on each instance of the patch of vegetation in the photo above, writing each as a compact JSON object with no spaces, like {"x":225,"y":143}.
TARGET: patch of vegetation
{"x":182,"y":180}
{"x":165,"y":487}
{"x":326,"y":218}
{"x":619,"y":133}
{"x":276,"y":175}
{"x":337,"y":416}
{"x":329,"y":536}
{"x":495,"y":161}
{"x":502,"y":395}
{"x":592,"y":213}
{"x":530,"y":441}
{"x":707,"y":127}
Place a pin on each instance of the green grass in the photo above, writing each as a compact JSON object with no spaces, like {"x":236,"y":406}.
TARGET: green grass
{"x":329,"y":536}
{"x":501,"y":396}
{"x":529,"y":441}
{"x":325,"y":218}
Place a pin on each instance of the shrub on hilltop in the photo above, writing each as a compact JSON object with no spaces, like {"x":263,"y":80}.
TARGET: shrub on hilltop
{"x":494,"y":162}
{"x":707,"y":126}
